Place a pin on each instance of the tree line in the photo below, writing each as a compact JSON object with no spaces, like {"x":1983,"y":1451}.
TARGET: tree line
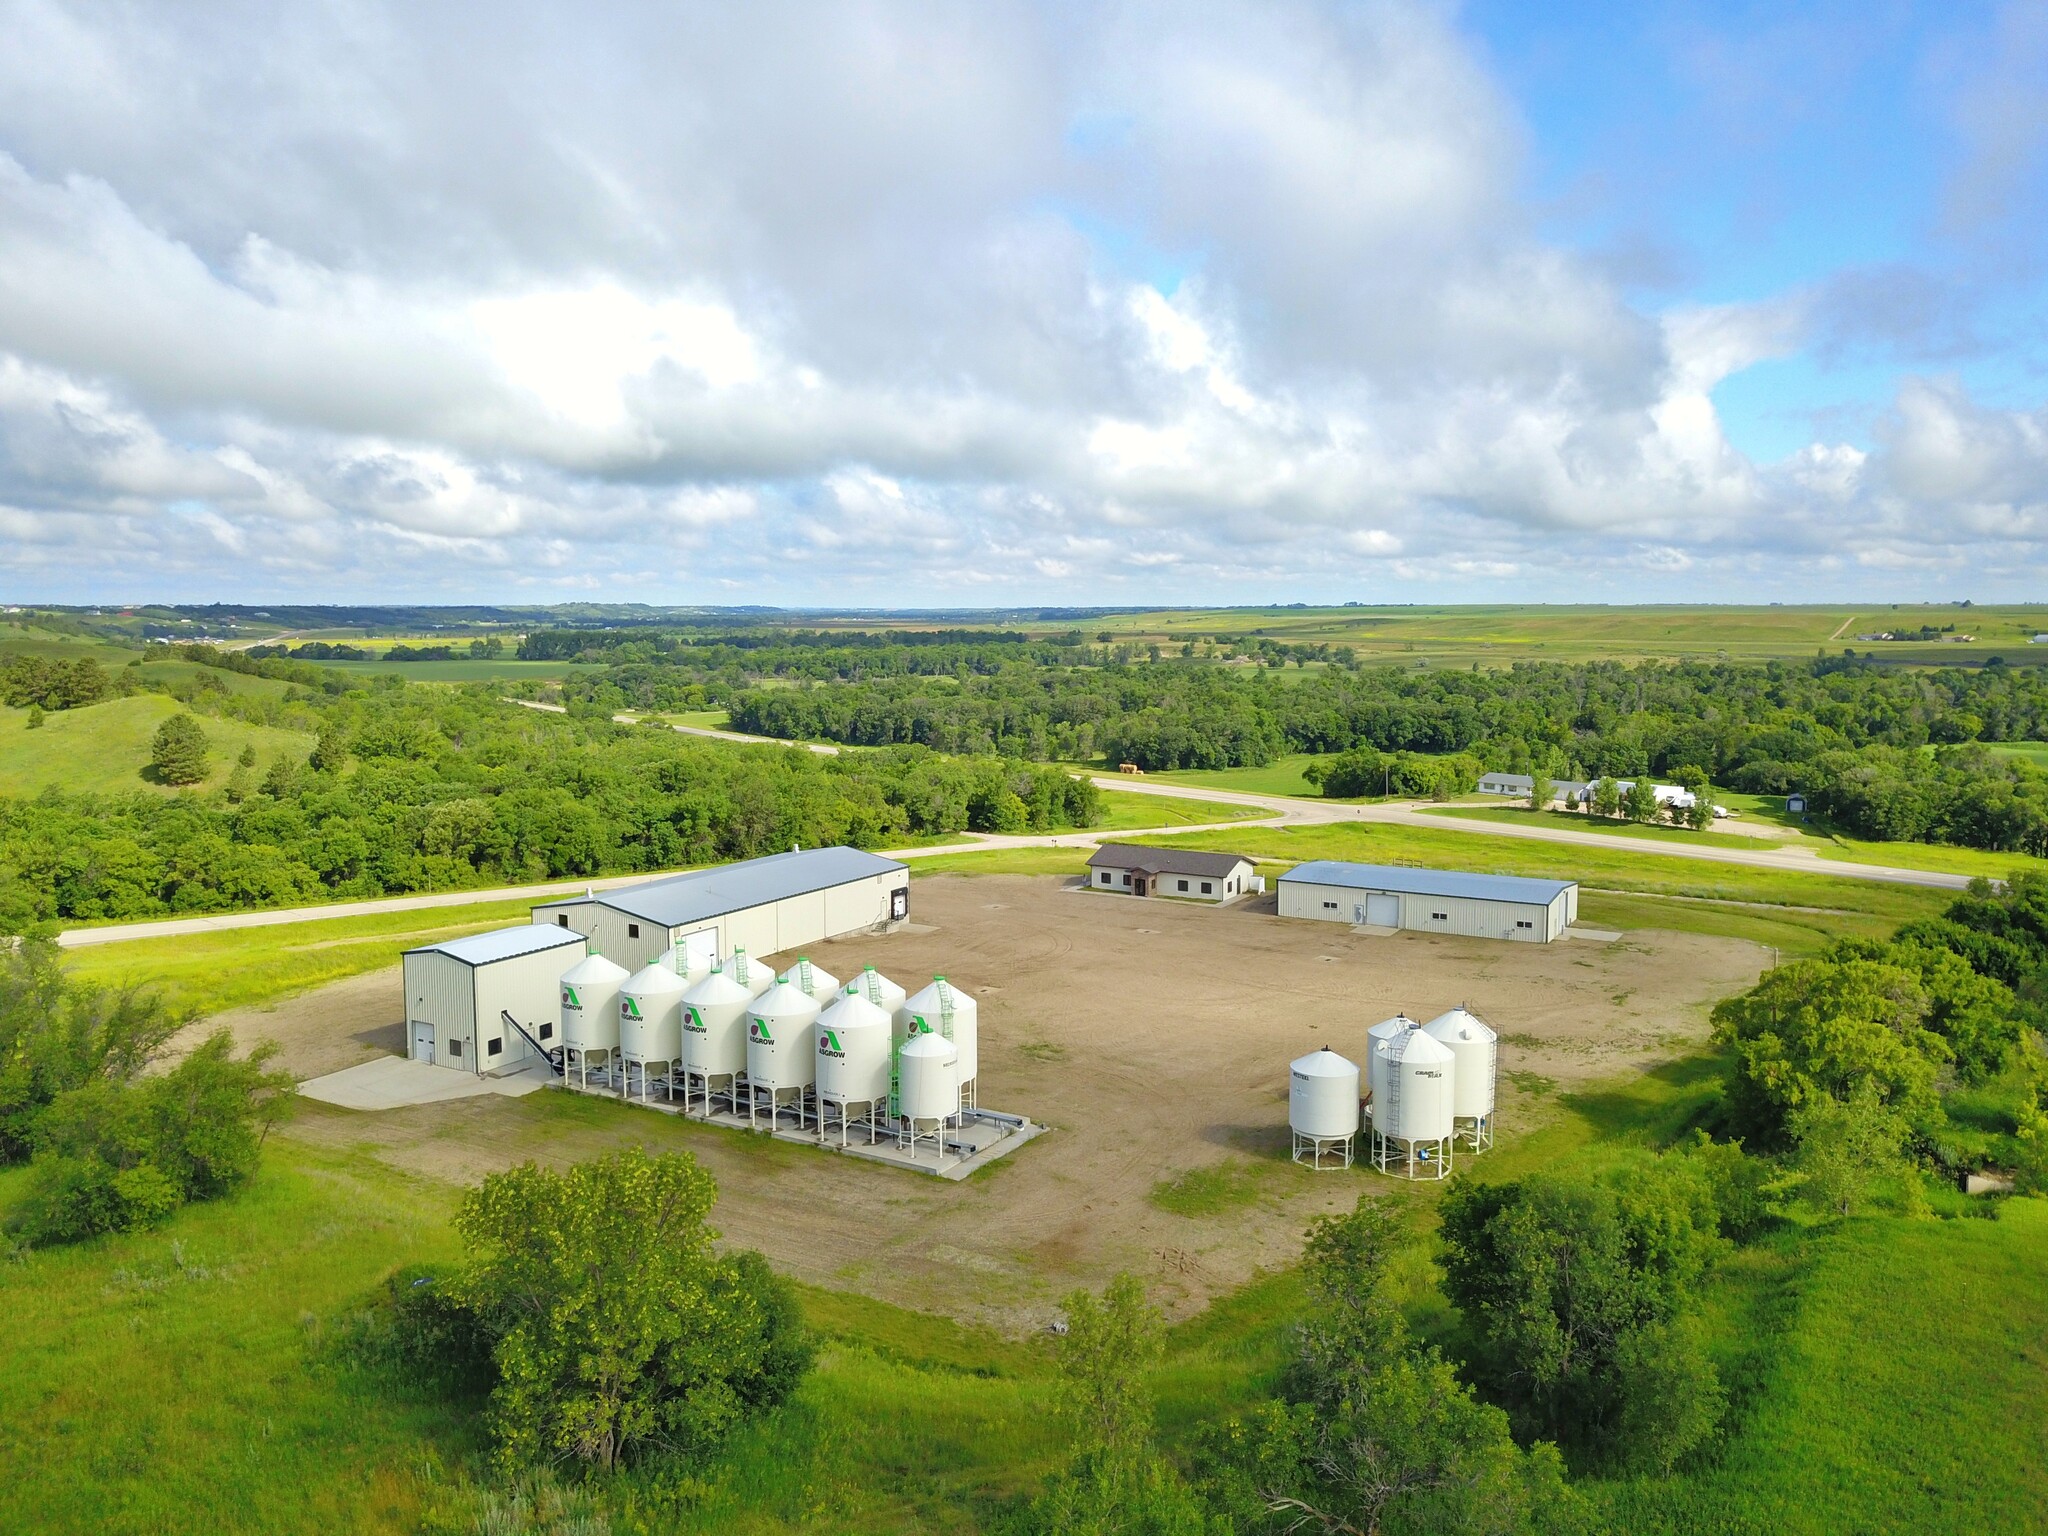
{"x":410,"y":789}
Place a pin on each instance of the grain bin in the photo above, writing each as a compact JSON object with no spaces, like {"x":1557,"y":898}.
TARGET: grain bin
{"x":853,"y":1064}
{"x":928,"y":1068}
{"x":715,"y":1036}
{"x":879,"y":990}
{"x":651,"y":1024}
{"x":755,"y":975}
{"x":1376,"y":1040}
{"x":944,"y":1010}
{"x":814,"y":981}
{"x":677,"y":961}
{"x":590,"y":1013}
{"x":782,"y":1051}
{"x":1475,"y":1051}
{"x":1411,"y":1125}
{"x":1322,"y":1108}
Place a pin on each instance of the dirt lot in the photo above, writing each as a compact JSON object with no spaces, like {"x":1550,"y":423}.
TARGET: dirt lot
{"x":1154,"y":1036}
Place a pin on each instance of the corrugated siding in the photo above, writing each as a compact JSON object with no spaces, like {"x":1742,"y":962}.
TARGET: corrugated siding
{"x":1466,"y":917}
{"x":438,"y":992}
{"x":799,"y":920}
{"x":527,"y":987}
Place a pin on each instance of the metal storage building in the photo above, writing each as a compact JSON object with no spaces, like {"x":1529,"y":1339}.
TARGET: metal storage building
{"x":457,"y":993}
{"x":765,"y":906}
{"x":1430,"y":900}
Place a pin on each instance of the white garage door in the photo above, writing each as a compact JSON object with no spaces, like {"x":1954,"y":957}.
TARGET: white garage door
{"x":1383,"y":911}
{"x":700,"y":948}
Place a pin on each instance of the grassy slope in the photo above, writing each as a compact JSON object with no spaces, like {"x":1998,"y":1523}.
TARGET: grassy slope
{"x":105,"y":747}
{"x":1282,"y":776}
{"x":240,"y":967}
{"x":1126,"y":809}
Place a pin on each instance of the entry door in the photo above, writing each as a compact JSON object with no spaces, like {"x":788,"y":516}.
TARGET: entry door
{"x":1383,"y":911}
{"x":700,"y":949}
{"x":422,"y":1042}
{"x":1138,"y":885}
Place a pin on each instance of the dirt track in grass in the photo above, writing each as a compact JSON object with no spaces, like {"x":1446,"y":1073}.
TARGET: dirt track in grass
{"x":1154,"y":1037}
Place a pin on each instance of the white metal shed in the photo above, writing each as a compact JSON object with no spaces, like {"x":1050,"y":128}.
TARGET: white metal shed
{"x":457,"y":993}
{"x":765,"y":906}
{"x":1430,"y":900}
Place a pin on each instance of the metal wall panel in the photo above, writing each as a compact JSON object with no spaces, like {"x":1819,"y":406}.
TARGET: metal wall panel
{"x":438,"y":992}
{"x":527,"y":987}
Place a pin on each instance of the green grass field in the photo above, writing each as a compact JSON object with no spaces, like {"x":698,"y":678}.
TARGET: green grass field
{"x":2035,"y":752}
{"x":105,"y":747}
{"x":243,"y":967}
{"x":1126,"y":809}
{"x":1885,"y":1372}
{"x":1282,"y":776}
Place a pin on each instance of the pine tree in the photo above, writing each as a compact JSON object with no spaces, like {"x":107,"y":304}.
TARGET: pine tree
{"x":178,"y":754}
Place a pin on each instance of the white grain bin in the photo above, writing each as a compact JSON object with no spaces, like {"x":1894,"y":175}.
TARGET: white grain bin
{"x":1376,"y":1041}
{"x":677,"y":961}
{"x":1412,"y":1124}
{"x":651,"y":1022}
{"x":814,"y":981}
{"x":715,"y":1035}
{"x":1475,"y":1052}
{"x":782,"y":1050}
{"x":853,"y":1063}
{"x":1322,"y":1108}
{"x":590,"y":1011}
{"x":757,"y":976}
{"x":928,"y":1076}
{"x":944,"y":1010}
{"x":879,"y":990}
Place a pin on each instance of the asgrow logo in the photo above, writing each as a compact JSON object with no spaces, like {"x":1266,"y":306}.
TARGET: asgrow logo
{"x":570,"y":999}
{"x":629,"y":1008}
{"x":757,"y":1031}
{"x":828,"y":1044}
{"x":918,"y":1026}
{"x":693,"y":1020}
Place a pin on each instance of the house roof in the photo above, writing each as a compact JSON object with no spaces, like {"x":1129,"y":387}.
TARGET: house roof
{"x":710,"y":893}
{"x":503,"y":944}
{"x":1520,"y":781}
{"x":1165,"y":861}
{"x":1429,"y":882}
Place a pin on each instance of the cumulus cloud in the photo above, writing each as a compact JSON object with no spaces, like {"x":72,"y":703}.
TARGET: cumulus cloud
{"x":895,"y":302}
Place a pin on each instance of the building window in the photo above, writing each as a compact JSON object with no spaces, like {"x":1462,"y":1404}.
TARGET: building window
{"x":1206,"y":889}
{"x":561,"y":919}
{"x":1184,"y":885}
{"x":547,"y":1031}
{"x":1440,"y":917}
{"x":1329,"y":906}
{"x":496,"y":1047}
{"x":1522,"y":922}
{"x":1105,"y":877}
{"x":455,"y":1049}
{"x":632,"y":930}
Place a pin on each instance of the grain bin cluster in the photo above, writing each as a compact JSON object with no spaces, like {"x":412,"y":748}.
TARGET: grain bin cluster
{"x":702,"y":1028}
{"x":1425,"y":1089}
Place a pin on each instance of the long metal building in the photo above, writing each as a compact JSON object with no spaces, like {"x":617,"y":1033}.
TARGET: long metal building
{"x":764,"y":906}
{"x":457,"y":993}
{"x":1430,"y":900}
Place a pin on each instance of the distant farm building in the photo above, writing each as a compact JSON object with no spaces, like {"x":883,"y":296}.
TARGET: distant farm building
{"x":1131,"y":870}
{"x":1430,"y":900}
{"x":764,"y":906}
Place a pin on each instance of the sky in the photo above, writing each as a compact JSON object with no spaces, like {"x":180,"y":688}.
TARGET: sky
{"x":914,"y":305}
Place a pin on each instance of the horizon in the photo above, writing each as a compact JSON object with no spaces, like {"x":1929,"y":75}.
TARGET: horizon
{"x":1025,"y":305}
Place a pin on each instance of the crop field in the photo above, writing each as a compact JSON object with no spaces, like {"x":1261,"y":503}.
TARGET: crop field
{"x":105,"y":747}
{"x":1502,"y":635}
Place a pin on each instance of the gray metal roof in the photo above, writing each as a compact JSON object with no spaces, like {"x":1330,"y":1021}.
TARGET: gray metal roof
{"x":502,"y":943}
{"x":709,"y":893}
{"x":1429,"y":882}
{"x":1165,"y":861}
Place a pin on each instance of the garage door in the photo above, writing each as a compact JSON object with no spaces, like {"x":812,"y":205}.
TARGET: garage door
{"x":1383,"y":911}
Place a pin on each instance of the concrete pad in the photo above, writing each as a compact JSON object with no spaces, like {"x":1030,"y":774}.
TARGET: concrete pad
{"x":1597,"y":935}
{"x":391,"y":1082}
